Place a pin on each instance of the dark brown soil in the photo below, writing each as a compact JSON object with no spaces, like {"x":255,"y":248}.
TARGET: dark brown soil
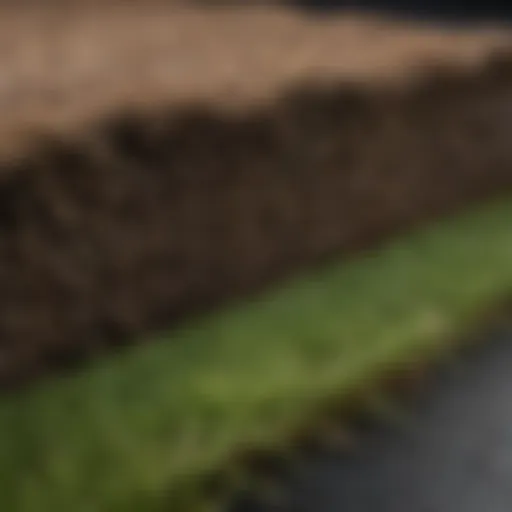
{"x":134,"y":218}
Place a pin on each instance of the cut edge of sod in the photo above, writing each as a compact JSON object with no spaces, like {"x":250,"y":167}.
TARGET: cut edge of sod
{"x":140,"y":431}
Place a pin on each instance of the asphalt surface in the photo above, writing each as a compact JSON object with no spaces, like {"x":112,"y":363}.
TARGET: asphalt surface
{"x":453,"y":454}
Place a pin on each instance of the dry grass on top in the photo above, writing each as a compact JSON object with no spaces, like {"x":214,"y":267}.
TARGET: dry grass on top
{"x":64,"y":65}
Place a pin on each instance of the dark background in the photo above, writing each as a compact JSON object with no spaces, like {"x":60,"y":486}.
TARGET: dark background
{"x":449,"y":10}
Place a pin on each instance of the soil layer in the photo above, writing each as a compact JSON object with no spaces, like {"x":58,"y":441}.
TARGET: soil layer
{"x":123,"y":220}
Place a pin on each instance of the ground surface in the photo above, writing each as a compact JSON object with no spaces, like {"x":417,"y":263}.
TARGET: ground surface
{"x":455,"y":456}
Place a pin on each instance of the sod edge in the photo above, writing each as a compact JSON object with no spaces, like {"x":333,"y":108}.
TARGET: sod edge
{"x":141,"y":431}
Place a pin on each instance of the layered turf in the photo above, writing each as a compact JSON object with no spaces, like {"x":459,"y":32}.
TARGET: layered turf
{"x":124,"y":211}
{"x":140,"y":431}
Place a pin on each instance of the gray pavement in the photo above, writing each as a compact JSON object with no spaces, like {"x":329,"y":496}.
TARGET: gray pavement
{"x":454,"y":455}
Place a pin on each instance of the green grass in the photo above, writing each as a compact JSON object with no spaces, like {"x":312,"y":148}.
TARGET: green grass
{"x":151,"y":421}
